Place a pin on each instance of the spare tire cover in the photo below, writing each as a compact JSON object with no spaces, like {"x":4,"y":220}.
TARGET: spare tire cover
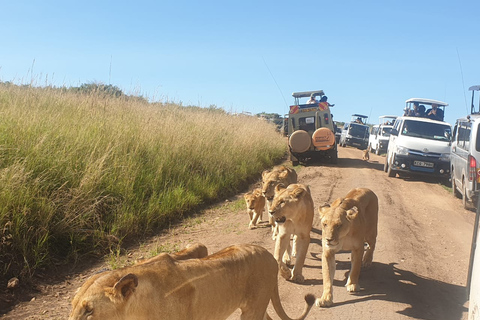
{"x":300,"y":141}
{"x":323,"y":139}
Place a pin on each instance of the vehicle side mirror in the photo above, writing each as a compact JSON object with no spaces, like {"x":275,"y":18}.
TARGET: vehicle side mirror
{"x":394,"y":132}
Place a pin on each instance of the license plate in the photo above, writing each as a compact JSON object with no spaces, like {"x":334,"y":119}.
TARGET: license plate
{"x":356,"y":144}
{"x":423,"y":164}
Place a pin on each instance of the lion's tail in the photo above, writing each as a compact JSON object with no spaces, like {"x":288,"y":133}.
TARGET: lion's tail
{"x":277,"y":305}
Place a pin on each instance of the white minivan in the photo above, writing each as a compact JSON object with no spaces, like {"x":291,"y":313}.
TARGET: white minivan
{"x":380,"y":134}
{"x":465,"y":156}
{"x":419,"y":145}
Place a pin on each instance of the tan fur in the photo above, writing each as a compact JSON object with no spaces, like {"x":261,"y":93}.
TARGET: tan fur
{"x":292,"y":210}
{"x":255,"y":205}
{"x":242,"y":276}
{"x":366,"y":154}
{"x":346,"y":225}
{"x":270,"y":179}
{"x":191,"y":251}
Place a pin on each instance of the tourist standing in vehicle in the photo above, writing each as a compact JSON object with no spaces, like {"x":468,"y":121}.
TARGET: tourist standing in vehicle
{"x":312,"y":99}
{"x":435,"y":113}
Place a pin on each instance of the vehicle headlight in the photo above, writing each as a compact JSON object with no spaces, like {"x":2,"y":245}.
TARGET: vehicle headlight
{"x":402,"y":150}
{"x":445,"y":157}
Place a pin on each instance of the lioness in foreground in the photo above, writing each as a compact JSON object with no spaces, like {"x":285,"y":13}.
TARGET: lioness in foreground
{"x":255,"y":206}
{"x":292,"y":209}
{"x":346,"y":225}
{"x":270,"y":179}
{"x":210,"y":288}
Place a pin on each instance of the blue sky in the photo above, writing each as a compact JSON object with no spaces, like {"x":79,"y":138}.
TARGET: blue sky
{"x":368,"y":57}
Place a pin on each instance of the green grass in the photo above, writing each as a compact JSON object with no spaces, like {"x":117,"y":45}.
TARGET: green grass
{"x":83,"y":173}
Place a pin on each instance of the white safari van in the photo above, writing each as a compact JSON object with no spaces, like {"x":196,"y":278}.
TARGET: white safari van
{"x":465,"y":156}
{"x":419,"y":145}
{"x":380,"y":134}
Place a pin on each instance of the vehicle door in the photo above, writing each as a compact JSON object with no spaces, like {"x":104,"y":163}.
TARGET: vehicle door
{"x":460,"y":151}
{"x":394,"y":136}
{"x":373,"y":137}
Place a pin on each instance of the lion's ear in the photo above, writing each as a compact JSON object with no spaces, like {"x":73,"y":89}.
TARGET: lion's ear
{"x":279,"y":187}
{"x":264,"y":173}
{"x":125,"y":286}
{"x":323,"y":208}
{"x":283,"y":174}
{"x":352,"y":213}
{"x":297,"y":192}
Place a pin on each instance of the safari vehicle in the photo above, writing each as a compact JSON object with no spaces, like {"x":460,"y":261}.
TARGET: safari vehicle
{"x":355,"y":133}
{"x":465,"y":155}
{"x":419,"y":145}
{"x":380,"y":134}
{"x":310,"y":129}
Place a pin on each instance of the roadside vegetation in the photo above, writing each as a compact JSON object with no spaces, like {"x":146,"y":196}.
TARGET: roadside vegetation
{"x":82,"y":171}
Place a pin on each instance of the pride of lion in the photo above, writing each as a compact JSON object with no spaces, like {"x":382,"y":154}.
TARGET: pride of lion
{"x":191,"y":284}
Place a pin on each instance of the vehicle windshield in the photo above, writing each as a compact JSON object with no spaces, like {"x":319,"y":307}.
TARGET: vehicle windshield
{"x":357,"y":130}
{"x":386,"y":132}
{"x":426,"y":130}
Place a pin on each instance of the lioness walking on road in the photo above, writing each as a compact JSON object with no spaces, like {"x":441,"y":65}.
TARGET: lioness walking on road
{"x":346,"y":225}
{"x":292,"y":209}
{"x":270,"y":179}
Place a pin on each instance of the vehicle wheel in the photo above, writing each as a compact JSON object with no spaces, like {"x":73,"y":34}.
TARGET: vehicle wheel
{"x":377,"y":151}
{"x":334,"y":157}
{"x":455,"y":192}
{"x":385,"y":164}
{"x":295,"y":163}
{"x":391,"y":173}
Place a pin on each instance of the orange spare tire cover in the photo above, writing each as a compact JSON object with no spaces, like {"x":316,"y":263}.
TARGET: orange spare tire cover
{"x":300,"y":141}
{"x":323,"y":138}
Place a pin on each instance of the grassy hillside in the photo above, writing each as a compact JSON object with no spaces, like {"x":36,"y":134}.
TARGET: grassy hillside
{"x":81,"y":172}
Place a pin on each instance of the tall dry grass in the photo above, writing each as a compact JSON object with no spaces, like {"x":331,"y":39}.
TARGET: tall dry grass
{"x":78,"y":172}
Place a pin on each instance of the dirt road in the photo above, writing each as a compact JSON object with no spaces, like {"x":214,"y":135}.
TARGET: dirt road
{"x":420,"y":263}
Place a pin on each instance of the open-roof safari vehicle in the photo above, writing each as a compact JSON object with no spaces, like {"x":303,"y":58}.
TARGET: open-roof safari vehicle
{"x":420,"y":143}
{"x":355,"y":133}
{"x":311,"y":133}
{"x":380,"y":134}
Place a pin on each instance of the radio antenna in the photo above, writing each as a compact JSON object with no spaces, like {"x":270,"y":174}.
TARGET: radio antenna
{"x":463,"y":82}
{"x":286,"y":105}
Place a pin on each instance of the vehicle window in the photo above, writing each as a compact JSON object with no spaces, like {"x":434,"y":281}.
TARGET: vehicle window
{"x":357,"y":130}
{"x":463,"y":140}
{"x":477,"y":141}
{"x":374,"y":130}
{"x":386,"y":132}
{"x":397,"y":124}
{"x":426,"y":130}
{"x":307,"y":123}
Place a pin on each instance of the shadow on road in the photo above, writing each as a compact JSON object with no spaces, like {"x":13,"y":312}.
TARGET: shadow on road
{"x":424,"y":298}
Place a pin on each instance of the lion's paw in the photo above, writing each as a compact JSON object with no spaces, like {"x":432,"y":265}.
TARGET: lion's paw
{"x":285,"y":272}
{"x":298,"y":278}
{"x":353,"y":288}
{"x":325,"y":301}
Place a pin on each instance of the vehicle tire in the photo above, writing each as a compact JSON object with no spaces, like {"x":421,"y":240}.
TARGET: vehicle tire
{"x":295,"y":163}
{"x":377,"y":151}
{"x":385,"y":164}
{"x":334,"y":156}
{"x":391,"y":173}
{"x":455,"y":192}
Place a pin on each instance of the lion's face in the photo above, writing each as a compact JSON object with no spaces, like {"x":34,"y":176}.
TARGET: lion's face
{"x":252,"y":198}
{"x":271,"y":179}
{"x":102,"y":297}
{"x":336,"y":222}
{"x":286,"y":201}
